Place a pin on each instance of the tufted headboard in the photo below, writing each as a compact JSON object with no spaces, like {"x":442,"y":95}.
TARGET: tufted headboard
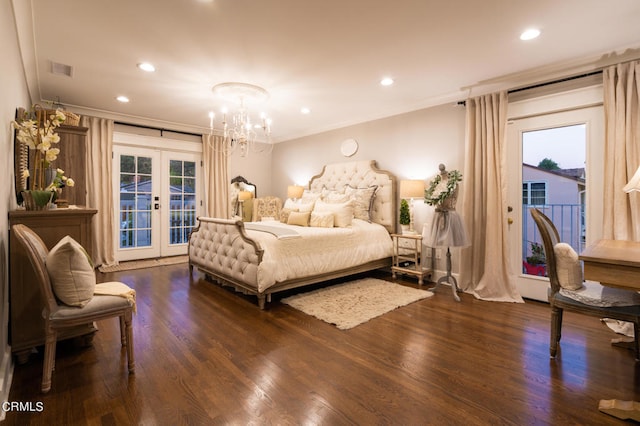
{"x":362,"y":174}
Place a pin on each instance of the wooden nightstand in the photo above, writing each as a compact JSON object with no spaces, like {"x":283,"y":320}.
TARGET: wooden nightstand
{"x":407,"y":249}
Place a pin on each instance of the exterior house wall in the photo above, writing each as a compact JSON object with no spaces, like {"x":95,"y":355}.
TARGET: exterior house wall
{"x":563,"y":207}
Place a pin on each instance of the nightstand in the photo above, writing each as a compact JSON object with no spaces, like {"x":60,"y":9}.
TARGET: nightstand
{"x":407,"y":249}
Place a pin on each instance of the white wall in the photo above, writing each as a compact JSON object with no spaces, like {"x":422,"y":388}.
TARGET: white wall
{"x":411,"y":146}
{"x":14,"y":93}
{"x":256,"y":168}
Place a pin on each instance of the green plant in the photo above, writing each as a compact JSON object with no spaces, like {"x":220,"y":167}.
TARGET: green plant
{"x":405,"y":216}
{"x":537,"y":255}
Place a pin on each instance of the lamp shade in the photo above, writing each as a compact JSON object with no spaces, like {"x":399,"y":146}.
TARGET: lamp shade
{"x":294,"y":191}
{"x":634,"y":183}
{"x":411,"y":188}
{"x":244,"y":195}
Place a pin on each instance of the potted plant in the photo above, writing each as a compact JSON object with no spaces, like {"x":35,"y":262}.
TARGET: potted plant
{"x":535,"y":264}
{"x":405,"y":215}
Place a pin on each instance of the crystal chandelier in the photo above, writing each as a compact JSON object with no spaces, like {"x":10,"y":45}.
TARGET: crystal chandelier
{"x":239,"y":133}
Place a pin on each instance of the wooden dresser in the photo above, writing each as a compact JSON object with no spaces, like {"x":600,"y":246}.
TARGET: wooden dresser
{"x":26,"y":329}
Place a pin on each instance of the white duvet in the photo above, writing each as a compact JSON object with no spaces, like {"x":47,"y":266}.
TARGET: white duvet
{"x":319,"y":250}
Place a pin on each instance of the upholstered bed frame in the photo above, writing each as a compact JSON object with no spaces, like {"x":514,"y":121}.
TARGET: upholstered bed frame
{"x":223,"y":251}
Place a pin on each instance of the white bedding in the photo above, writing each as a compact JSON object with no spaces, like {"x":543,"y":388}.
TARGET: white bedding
{"x":320,"y":250}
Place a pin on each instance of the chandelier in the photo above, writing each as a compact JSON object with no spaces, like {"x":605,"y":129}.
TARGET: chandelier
{"x":238,"y":130}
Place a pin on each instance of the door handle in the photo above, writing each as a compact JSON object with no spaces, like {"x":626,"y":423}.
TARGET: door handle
{"x":510,"y":221}
{"x":156,"y":206}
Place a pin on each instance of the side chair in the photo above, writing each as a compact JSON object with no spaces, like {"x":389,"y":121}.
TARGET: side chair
{"x":560,"y":302}
{"x":58,"y":316}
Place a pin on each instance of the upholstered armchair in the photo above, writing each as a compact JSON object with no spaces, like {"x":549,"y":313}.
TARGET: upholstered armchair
{"x":72,"y":297}
{"x":266,"y":207}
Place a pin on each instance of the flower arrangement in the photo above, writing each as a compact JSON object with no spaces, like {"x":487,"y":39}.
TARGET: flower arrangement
{"x":37,"y":130}
{"x":60,"y":181}
{"x":439,"y":191}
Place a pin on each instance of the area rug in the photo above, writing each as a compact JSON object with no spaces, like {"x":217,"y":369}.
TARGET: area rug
{"x":356,"y":302}
{"x":147,"y":263}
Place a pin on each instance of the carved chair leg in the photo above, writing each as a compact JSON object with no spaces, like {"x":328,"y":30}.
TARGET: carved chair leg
{"x":556,"y":326}
{"x":123,"y":337}
{"x":636,"y":335}
{"x":129,"y":340}
{"x":49,"y":359}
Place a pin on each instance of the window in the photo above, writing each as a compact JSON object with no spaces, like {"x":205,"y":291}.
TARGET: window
{"x":534,"y":193}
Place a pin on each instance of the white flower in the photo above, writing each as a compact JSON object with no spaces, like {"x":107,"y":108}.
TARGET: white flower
{"x":70,"y":182}
{"x":51,"y":154}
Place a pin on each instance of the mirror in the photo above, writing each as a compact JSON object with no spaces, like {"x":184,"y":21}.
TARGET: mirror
{"x":241,"y":196}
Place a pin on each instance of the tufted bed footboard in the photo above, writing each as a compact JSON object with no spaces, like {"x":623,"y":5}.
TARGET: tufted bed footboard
{"x":222,"y":250}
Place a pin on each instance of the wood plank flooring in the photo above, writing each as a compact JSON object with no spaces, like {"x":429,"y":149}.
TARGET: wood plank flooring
{"x":207,"y":355}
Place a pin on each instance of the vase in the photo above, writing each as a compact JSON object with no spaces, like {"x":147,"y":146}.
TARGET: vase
{"x":37,"y":199}
{"x":41,"y":176}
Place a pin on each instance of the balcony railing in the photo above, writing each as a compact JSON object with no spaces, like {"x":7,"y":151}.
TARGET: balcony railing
{"x":568,"y":220}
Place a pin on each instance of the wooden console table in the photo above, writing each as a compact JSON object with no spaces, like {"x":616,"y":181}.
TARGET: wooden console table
{"x":615,"y":263}
{"x":26,"y":329}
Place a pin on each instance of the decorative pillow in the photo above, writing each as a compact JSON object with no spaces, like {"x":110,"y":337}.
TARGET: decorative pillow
{"x":310,"y":197}
{"x":362,"y":201}
{"x":298,"y":205}
{"x":568,"y":267}
{"x":321,"y":219}
{"x":334,"y":196}
{"x":71,"y":272}
{"x":299,"y":218}
{"x":284,"y":214}
{"x":342,"y":212}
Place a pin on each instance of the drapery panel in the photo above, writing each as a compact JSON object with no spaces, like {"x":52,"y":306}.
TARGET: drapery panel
{"x":99,"y":187}
{"x":485,"y":269}
{"x":621,"y":85}
{"x":216,"y":181}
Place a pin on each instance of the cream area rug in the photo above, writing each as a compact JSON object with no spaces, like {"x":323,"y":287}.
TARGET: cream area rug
{"x":356,"y":302}
{"x":146,"y":263}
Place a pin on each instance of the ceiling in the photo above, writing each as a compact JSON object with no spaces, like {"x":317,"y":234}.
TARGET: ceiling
{"x":327,"y":55}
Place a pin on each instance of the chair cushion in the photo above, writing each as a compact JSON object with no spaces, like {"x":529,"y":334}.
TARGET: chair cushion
{"x":568,"y":266}
{"x":73,"y":279}
{"x":595,"y":294}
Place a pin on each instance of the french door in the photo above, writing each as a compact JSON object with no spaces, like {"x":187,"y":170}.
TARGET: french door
{"x":555,"y":164}
{"x":156,"y":201}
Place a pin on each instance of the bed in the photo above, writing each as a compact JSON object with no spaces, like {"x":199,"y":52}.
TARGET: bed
{"x":262,"y":258}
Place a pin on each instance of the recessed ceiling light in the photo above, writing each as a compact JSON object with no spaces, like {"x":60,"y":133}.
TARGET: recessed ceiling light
{"x":530,"y":34}
{"x":146,"y":66}
{"x":305,"y":110}
{"x":122,"y":99}
{"x":387,"y":81}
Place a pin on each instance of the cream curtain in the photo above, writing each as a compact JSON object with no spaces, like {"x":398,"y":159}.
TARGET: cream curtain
{"x":99,"y":187}
{"x":622,"y":150}
{"x":216,"y":181}
{"x":485,"y":263}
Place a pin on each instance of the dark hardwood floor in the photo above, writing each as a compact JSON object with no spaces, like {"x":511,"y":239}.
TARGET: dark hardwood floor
{"x":207,"y":355}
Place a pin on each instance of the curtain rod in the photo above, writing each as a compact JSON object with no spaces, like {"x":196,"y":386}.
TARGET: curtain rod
{"x":548,"y":83}
{"x":161,"y":129}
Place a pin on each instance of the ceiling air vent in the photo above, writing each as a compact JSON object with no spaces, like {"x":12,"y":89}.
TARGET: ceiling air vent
{"x":61,"y":69}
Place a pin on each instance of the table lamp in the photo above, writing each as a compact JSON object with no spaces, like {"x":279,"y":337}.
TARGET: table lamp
{"x":410,"y":189}
{"x":294,"y":191}
{"x":242,"y":197}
